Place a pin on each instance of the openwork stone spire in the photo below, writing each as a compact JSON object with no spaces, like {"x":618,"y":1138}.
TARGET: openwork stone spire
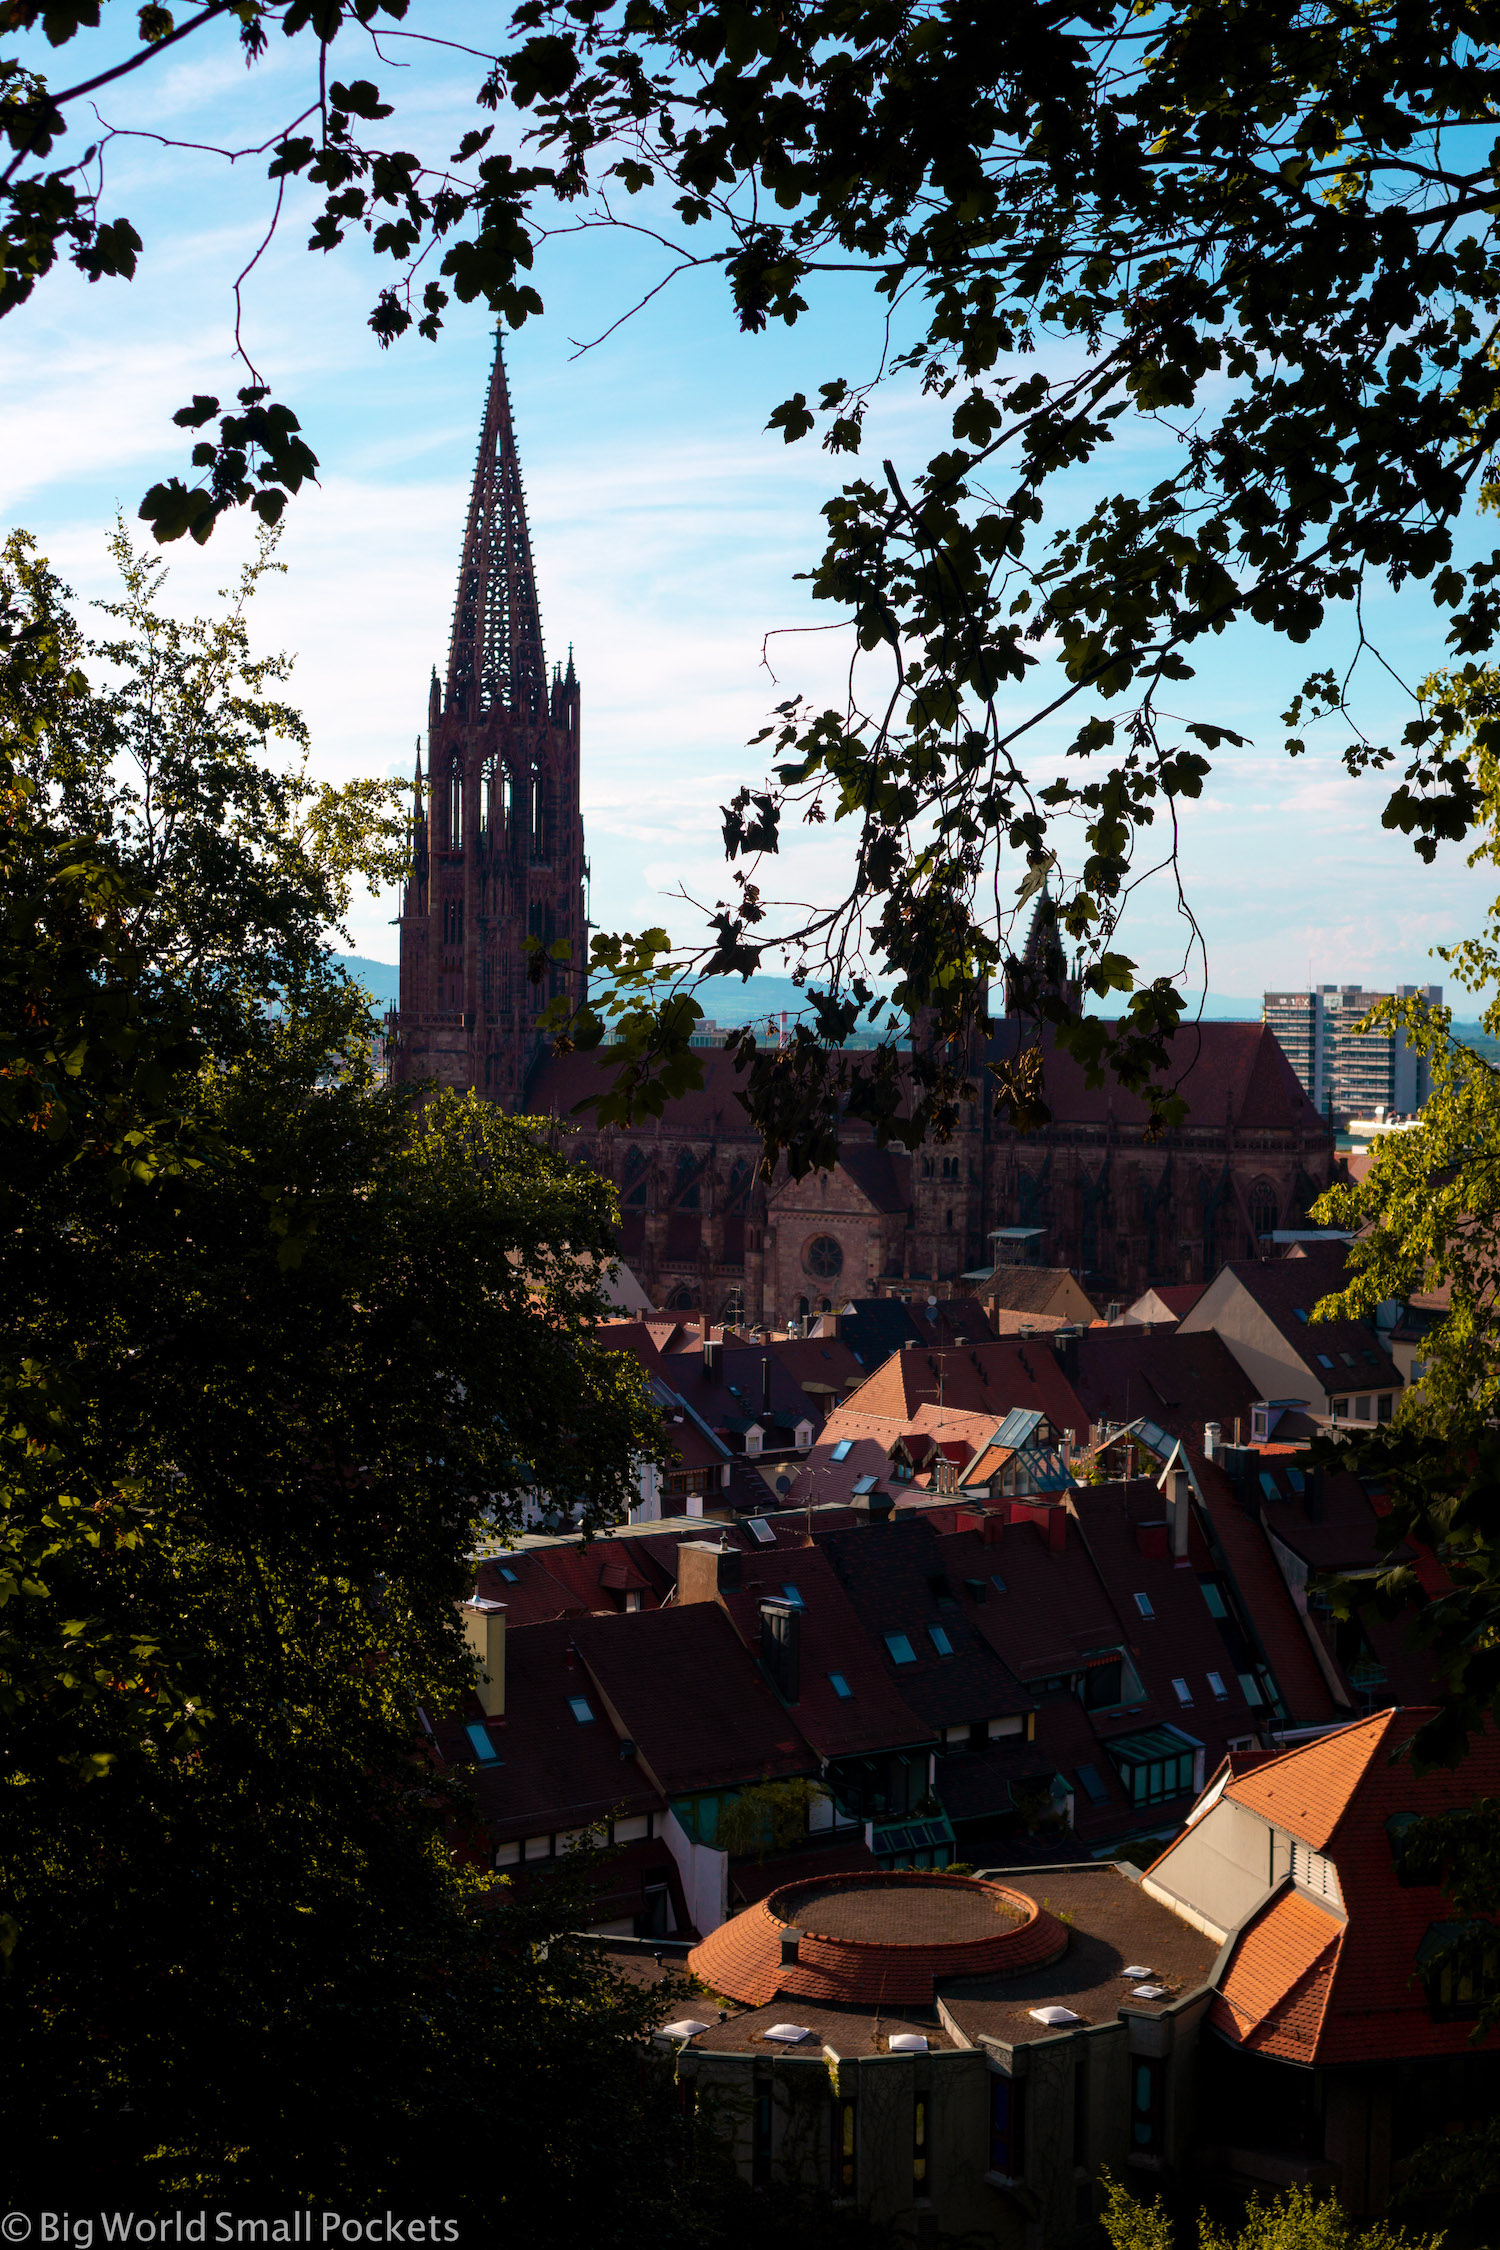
{"x":497,"y":627}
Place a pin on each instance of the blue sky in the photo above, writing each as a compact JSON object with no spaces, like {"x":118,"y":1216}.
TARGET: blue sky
{"x":668,"y":527}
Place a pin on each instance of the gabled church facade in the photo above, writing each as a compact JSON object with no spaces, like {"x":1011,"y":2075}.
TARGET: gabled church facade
{"x":498,"y":861}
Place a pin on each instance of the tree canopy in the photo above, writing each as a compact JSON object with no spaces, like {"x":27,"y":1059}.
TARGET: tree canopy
{"x":276,"y":1344}
{"x":1266,"y":233}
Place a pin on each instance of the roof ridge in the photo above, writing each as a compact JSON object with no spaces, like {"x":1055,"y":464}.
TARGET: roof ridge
{"x":1328,"y":1750}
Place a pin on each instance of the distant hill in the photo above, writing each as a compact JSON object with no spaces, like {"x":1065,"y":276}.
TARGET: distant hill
{"x":736,"y":1000}
{"x":381,"y":979}
{"x":1474,"y":1035}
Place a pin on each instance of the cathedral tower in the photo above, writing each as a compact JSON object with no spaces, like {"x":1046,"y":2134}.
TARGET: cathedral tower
{"x":497,"y":835}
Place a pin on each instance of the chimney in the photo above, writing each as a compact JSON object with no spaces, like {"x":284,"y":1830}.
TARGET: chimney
{"x":781,"y":1647}
{"x":1049,"y":1516}
{"x":484,"y":1631}
{"x":1065,"y":1344}
{"x":704,"y":1571}
{"x":790,"y":1940}
{"x":1182,"y":1503}
{"x":1151,"y":1539}
{"x":829,"y":1324}
{"x":1235,"y":1461}
{"x":1213,"y":1438}
{"x":713,"y":1355}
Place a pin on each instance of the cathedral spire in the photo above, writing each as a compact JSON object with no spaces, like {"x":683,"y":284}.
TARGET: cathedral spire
{"x":497,"y":628}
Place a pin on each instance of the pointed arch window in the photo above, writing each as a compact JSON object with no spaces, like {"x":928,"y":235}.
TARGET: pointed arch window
{"x":456,"y":808}
{"x":1265,"y":1210}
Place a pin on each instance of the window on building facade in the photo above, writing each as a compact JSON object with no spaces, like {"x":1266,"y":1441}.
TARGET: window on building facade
{"x":1147,"y":2106}
{"x":1007,"y":2126}
{"x":919,"y":2145}
{"x":825,"y":1257}
{"x":1093,"y":1785}
{"x":1155,"y":1765}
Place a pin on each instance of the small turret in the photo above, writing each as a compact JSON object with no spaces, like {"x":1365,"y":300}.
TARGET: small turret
{"x":434,"y":707}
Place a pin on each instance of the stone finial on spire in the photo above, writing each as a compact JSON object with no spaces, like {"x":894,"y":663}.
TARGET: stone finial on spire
{"x":570,"y":677}
{"x":497,"y":627}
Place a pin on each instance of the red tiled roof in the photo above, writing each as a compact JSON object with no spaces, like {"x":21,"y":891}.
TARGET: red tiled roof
{"x":1365,"y":2001}
{"x":1285,"y":1289}
{"x":743,"y":1957}
{"x":1027,"y":1288}
{"x":1223,"y":1071}
{"x":680,"y":1684}
{"x":882,"y":1175}
{"x":553,"y":1773}
{"x":1179,"y":1297}
{"x":1273,"y":1995}
{"x":981,"y":1378}
{"x":873,"y":1716}
{"x":1307,"y":1790}
{"x":1175,"y":1379}
{"x":893,"y":1578}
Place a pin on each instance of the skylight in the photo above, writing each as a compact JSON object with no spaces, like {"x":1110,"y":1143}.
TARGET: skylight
{"x":843,"y":1449}
{"x":998,"y":1583}
{"x":1324,"y":1360}
{"x":578,"y":1705}
{"x":1269,"y":1486}
{"x":1143,"y":1604}
{"x":793,"y":1594}
{"x":509,"y":1576}
{"x":1216,"y":1682}
{"x":840,"y":1686}
{"x":1182,"y":1691}
{"x":1094,"y":1788}
{"x":760,"y":1531}
{"x":484,"y":1749}
{"x":940,"y":1640}
{"x":901,"y":1649}
{"x":1301,"y":1312}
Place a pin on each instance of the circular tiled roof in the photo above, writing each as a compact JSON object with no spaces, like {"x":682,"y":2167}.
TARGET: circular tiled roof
{"x":880,"y":1937}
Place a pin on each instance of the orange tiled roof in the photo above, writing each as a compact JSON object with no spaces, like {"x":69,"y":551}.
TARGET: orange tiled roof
{"x":1307,"y":1791}
{"x":743,"y":1956}
{"x":1275,"y":1989}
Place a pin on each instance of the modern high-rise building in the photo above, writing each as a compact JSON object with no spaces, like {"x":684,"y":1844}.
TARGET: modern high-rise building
{"x":1344,"y":1071}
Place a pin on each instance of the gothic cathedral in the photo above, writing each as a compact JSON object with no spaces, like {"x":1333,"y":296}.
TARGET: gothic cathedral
{"x":497,"y":853}
{"x":498,"y":862}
